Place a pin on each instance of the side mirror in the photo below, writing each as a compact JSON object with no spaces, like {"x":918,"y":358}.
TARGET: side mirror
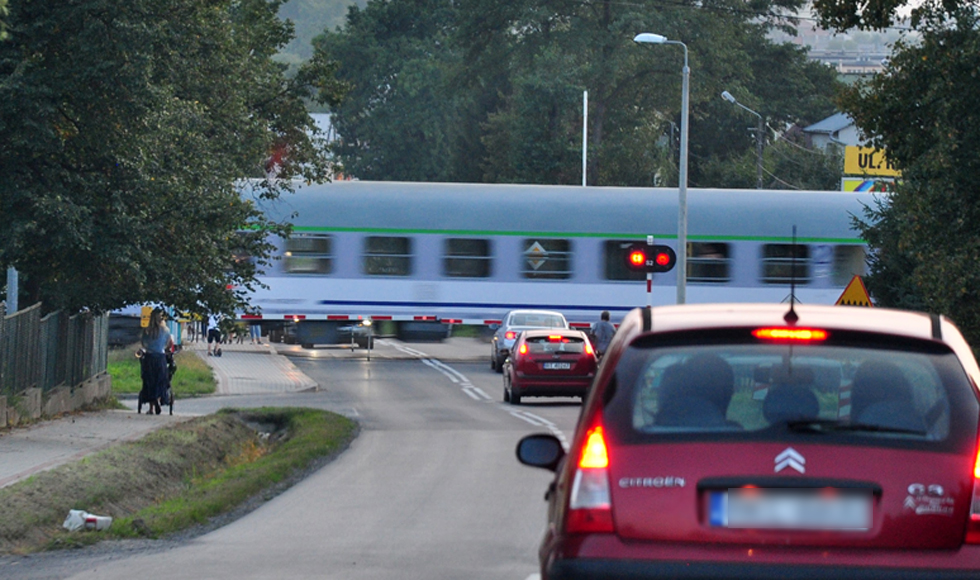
{"x":540,"y":450}
{"x":494,"y":326}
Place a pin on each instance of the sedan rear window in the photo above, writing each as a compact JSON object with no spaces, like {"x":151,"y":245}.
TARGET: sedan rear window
{"x":556,"y":344}
{"x":764,"y":389}
{"x":538,"y":320}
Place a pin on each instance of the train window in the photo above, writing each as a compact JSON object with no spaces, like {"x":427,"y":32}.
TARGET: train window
{"x":614,"y":252}
{"x":308,"y":254}
{"x":849,"y":261}
{"x":387,"y":256}
{"x":467,"y":258}
{"x":782,"y":263}
{"x":708,"y":262}
{"x":546,"y":259}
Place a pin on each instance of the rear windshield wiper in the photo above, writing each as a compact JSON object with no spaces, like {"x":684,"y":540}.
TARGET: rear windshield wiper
{"x":826,"y":425}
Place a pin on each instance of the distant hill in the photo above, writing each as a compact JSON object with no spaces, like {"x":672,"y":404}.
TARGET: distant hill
{"x":311,"y":17}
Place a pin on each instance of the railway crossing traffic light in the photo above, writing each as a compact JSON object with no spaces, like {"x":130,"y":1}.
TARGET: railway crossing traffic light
{"x":650,"y":258}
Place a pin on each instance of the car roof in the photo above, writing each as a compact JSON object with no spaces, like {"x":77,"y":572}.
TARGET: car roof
{"x":533,"y":311}
{"x":698,"y":316}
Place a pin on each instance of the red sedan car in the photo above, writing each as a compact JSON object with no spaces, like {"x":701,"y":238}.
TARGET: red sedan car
{"x":555,"y":362}
{"x":754,"y":441}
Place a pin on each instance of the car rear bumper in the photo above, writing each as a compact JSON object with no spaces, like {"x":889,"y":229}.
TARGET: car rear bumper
{"x":636,"y":570}
{"x":609,"y":557}
{"x":551,"y":386}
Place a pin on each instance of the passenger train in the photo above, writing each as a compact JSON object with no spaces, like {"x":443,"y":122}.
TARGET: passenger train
{"x":468,"y":253}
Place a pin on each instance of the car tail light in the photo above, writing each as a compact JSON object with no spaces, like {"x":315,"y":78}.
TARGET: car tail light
{"x":590,"y":506}
{"x":510,"y":335}
{"x":973,"y":524}
{"x":523,"y":348}
{"x":790,"y":334}
{"x":588,"y":348}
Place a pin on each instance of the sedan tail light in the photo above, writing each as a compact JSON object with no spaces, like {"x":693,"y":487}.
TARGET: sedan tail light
{"x":590,"y":507}
{"x":510,"y":335}
{"x":973,"y":524}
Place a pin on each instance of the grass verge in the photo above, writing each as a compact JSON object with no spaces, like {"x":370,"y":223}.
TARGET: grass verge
{"x":193,"y":377}
{"x":172,"y":479}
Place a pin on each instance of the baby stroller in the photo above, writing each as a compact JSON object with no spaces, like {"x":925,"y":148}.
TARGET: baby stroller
{"x":146,"y":393}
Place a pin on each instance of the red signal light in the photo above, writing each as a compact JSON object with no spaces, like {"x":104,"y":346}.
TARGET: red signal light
{"x":637,"y":258}
{"x":650,"y":258}
{"x":510,"y":335}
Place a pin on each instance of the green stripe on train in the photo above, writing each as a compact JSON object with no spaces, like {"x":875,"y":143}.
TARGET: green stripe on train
{"x":612,"y":236}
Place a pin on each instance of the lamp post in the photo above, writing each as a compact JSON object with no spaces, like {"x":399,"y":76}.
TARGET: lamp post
{"x":758,"y":137}
{"x":650,"y":38}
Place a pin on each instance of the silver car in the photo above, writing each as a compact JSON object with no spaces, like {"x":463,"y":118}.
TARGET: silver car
{"x":515,"y":322}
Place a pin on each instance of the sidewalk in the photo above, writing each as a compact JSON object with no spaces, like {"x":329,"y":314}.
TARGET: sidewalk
{"x":242,"y":369}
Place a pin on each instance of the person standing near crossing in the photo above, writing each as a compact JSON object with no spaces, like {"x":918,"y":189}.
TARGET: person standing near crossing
{"x":603,"y":331}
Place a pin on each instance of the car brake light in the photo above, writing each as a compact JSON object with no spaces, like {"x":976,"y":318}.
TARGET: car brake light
{"x":590,"y":507}
{"x":790,"y":334}
{"x":510,"y":335}
{"x":523,"y":349}
{"x":973,"y":524}
{"x":588,"y":348}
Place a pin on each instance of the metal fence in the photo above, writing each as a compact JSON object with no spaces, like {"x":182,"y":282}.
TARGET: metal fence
{"x":50,"y":351}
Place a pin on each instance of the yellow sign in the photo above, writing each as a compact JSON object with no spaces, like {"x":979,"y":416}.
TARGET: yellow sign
{"x":855,"y":294}
{"x":145,"y":316}
{"x":867,"y":161}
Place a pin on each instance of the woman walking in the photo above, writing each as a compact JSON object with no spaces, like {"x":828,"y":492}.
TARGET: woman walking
{"x":156,"y":340}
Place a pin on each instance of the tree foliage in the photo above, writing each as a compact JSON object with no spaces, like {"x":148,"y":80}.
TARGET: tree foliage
{"x":123,"y":129}
{"x":922,"y":110}
{"x":481,"y":90}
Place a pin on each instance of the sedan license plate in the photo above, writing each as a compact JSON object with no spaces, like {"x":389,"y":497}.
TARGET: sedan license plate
{"x":557,"y":366}
{"x":791,"y":509}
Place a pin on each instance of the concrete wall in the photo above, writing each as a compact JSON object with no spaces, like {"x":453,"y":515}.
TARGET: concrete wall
{"x":33,"y":404}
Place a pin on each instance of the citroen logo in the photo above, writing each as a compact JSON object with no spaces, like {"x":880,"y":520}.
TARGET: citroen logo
{"x":790,"y":458}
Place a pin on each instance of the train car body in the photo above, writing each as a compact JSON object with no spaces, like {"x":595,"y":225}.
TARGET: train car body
{"x":469,"y":253}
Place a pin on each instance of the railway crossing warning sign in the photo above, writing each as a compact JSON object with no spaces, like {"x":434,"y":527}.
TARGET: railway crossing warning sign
{"x":855,"y":294}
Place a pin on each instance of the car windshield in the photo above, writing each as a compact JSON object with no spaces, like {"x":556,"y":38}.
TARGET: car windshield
{"x":757,"y":388}
{"x":537,"y":320}
{"x":556,"y":344}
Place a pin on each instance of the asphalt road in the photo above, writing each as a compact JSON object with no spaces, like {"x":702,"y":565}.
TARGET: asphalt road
{"x":430,"y":489}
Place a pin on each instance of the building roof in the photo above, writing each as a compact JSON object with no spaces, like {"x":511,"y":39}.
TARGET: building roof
{"x":831,"y":124}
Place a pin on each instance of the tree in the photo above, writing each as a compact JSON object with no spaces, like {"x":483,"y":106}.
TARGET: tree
{"x":502,"y":98}
{"x":123,"y":130}
{"x":398,"y":120}
{"x":922,"y":110}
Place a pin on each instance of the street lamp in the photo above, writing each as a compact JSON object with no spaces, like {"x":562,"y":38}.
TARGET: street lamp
{"x":758,"y":137}
{"x":650,"y":38}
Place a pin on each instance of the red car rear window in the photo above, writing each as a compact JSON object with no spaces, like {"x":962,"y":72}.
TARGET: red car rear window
{"x":545,"y":344}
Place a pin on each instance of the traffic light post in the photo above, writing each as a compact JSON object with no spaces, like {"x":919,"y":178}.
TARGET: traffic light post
{"x":650,"y":258}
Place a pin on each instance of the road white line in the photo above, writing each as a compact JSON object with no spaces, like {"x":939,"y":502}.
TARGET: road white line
{"x":478,"y":394}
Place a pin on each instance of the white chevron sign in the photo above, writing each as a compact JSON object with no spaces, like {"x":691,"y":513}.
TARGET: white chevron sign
{"x":790,"y":458}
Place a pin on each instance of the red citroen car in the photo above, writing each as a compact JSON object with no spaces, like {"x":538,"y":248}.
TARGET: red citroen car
{"x":554,"y":362}
{"x":758,"y":441}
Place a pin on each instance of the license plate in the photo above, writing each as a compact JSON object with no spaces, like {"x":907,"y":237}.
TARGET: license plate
{"x":557,"y":366}
{"x":791,"y":509}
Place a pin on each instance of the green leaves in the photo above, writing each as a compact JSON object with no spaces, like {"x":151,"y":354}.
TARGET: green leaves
{"x":482,"y":90}
{"x":923,"y":111}
{"x":123,"y":129}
